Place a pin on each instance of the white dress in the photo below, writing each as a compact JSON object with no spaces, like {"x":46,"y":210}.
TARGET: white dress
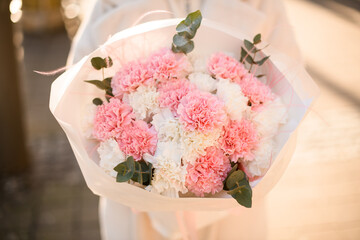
{"x":107,"y":17}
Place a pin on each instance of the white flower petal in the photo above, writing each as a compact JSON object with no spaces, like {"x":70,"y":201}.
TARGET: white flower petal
{"x":263,"y":158}
{"x":269,"y":118}
{"x":169,"y":173}
{"x":110,"y":156}
{"x":144,"y":101}
{"x":236,"y":103}
{"x":203,"y":81}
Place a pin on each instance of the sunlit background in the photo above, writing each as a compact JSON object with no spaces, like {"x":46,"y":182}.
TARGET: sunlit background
{"x":43,"y":194}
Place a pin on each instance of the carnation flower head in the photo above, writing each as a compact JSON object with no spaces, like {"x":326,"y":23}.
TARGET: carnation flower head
{"x":137,"y":139}
{"x":166,"y":65}
{"x":144,"y":101}
{"x":257,"y":92}
{"x":130,"y":77}
{"x":239,"y":139}
{"x":111,"y":118}
{"x":263,"y":157}
{"x":236,"y":104}
{"x":203,"y":81}
{"x":269,"y":117}
{"x":207,"y":173}
{"x":223,"y":66}
{"x":110,"y":156}
{"x":194,"y":143}
{"x":168,"y":128}
{"x":169,"y":173}
{"x":201,"y":111}
{"x":172,"y":92}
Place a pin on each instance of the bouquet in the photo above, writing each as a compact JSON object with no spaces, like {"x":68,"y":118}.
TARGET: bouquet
{"x":179,"y":123}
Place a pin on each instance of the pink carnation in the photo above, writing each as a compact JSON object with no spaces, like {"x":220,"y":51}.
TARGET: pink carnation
{"x":201,"y":111}
{"x":129,"y":77}
{"x":166,"y":65}
{"x":172,"y":92}
{"x":239,"y":139}
{"x":223,"y":66}
{"x":111,"y":118}
{"x":257,"y":92}
{"x":207,"y":173}
{"x":137,"y":139}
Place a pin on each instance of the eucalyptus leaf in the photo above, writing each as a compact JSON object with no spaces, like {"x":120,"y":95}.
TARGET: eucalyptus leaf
{"x":262,"y":61}
{"x":183,"y":49}
{"x":249,"y":59}
{"x":243,"y":54}
{"x":257,"y":38}
{"x":249,"y":46}
{"x":180,"y":40}
{"x":98,"y":84}
{"x":107,"y":82}
{"x":243,"y":196}
{"x":97,"y":101}
{"x":234,"y":179}
{"x":98,"y":63}
{"x":238,"y":187}
{"x":142,"y":173}
{"x":190,"y":24}
{"x":125,"y":170}
{"x":233,"y":169}
{"x":186,"y":30}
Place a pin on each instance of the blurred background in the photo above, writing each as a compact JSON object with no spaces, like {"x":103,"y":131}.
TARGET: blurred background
{"x":43,"y":194}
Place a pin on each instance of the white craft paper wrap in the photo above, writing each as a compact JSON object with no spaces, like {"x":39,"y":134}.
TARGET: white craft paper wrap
{"x":70,"y":94}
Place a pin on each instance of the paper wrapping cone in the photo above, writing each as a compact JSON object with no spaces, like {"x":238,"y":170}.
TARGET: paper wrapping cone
{"x":69,"y":95}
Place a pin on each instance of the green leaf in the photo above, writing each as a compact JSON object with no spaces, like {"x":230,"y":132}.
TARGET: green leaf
{"x":125,"y":170}
{"x":107,"y":82}
{"x":108,"y":62}
{"x":183,"y":49}
{"x":98,"y":63}
{"x":243,"y":54}
{"x":98,"y":84}
{"x":180,"y":40}
{"x":238,"y":187}
{"x":243,"y":195}
{"x":234,"y":179}
{"x":262,"y":61}
{"x":142,"y":173}
{"x":249,"y":59}
{"x":186,"y":30}
{"x":190,"y":25}
{"x":249,"y":46}
{"x":97,"y":101}
{"x":257,"y":38}
{"x":233,"y":169}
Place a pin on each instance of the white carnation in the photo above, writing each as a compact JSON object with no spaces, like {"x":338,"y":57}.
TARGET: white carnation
{"x":144,"y":101}
{"x":236,"y":103}
{"x":87,"y":122}
{"x":263,"y":157}
{"x":169,"y":173}
{"x":270,"y":117}
{"x":199,"y":62}
{"x":203,"y":81}
{"x":167,"y":127}
{"x":194,"y":143}
{"x":110,"y":156}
